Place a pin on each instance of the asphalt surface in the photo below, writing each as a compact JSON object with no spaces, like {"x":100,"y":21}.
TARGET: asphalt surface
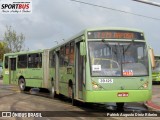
{"x":11,"y":99}
{"x":154,"y":103}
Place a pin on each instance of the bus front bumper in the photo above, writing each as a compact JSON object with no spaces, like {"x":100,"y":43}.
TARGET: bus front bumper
{"x":118,"y":96}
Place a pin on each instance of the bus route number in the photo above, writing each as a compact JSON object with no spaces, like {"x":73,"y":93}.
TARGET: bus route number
{"x":105,"y":80}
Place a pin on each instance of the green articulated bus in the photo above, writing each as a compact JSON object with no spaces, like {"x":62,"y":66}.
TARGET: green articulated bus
{"x":27,"y":69}
{"x":156,"y":70}
{"x":94,"y":66}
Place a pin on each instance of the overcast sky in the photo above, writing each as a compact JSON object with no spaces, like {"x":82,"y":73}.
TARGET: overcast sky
{"x":54,"y":20}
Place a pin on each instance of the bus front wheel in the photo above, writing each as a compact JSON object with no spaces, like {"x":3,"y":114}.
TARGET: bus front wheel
{"x":120,"y":106}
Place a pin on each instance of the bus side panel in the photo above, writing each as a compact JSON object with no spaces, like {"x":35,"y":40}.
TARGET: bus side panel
{"x":66,"y":74}
{"x":63,"y":81}
{"x":34,"y":83}
{"x":6,"y":76}
{"x":33,"y":73}
{"x":33,"y":76}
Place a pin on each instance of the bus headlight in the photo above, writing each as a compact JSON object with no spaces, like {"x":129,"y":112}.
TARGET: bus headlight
{"x":145,"y":85}
{"x":96,"y":86}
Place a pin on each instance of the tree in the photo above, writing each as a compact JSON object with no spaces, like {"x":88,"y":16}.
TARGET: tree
{"x":15,"y":42}
{"x":1,"y":51}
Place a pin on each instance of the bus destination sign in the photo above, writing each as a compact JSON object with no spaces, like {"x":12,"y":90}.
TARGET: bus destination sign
{"x":115,"y":35}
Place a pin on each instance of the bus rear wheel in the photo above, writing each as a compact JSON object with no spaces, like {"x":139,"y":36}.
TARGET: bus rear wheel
{"x":22,"y":85}
{"x":52,"y":93}
{"x":71,"y":94}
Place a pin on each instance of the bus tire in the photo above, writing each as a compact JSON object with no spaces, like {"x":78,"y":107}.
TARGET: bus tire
{"x":71,"y":93}
{"x":120,"y":106}
{"x":22,"y":85}
{"x":52,"y":89}
{"x":74,"y":102}
{"x":52,"y":92}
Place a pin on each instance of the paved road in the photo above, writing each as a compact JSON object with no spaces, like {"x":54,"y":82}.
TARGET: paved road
{"x":154,"y":103}
{"x":156,"y":89}
{"x":13,"y":100}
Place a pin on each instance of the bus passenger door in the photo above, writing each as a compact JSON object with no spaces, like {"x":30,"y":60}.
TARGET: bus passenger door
{"x":79,"y":72}
{"x":12,"y":71}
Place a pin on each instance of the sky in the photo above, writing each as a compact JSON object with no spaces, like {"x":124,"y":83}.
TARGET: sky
{"x":55,"y":20}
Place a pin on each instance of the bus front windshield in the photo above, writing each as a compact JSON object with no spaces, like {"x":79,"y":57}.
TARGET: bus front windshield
{"x":118,"y":58}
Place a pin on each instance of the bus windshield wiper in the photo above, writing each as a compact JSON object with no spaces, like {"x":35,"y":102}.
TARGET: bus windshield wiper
{"x":115,"y":52}
{"x":128,"y":46}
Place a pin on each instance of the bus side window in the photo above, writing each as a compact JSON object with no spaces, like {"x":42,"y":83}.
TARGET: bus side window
{"x":52,"y":59}
{"x":39,"y":60}
{"x":71,"y":55}
{"x":140,"y":54}
{"x":13,"y":63}
{"x":6,"y":62}
{"x":35,"y":60}
{"x":30,"y":61}
{"x":22,"y":61}
{"x":61,"y":59}
{"x":53,"y":62}
{"x":66,"y":56}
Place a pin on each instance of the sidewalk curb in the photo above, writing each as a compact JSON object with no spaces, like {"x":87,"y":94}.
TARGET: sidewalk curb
{"x":152,"y":106}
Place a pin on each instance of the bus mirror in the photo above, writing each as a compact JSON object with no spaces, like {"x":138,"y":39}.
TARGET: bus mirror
{"x":151,"y":53}
{"x":82,"y":48}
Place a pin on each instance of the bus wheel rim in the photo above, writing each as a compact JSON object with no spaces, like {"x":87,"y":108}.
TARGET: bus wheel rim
{"x":22,"y":85}
{"x":52,"y":91}
{"x":70,"y":92}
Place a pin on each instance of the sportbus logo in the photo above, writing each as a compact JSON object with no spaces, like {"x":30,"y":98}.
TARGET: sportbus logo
{"x":16,"y":6}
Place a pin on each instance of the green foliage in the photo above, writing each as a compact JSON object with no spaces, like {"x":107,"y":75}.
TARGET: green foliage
{"x":15,"y":42}
{"x":3,"y":49}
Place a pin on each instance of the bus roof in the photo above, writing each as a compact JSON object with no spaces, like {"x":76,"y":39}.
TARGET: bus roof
{"x":95,"y":29}
{"x":157,"y":56}
{"x":25,"y":52}
{"x":114,"y":28}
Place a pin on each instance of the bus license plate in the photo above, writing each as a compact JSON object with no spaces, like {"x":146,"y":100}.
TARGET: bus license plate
{"x":122,"y":94}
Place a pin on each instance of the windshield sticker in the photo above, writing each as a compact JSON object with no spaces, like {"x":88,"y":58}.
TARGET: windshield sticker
{"x":96,"y":67}
{"x":127,"y":72}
